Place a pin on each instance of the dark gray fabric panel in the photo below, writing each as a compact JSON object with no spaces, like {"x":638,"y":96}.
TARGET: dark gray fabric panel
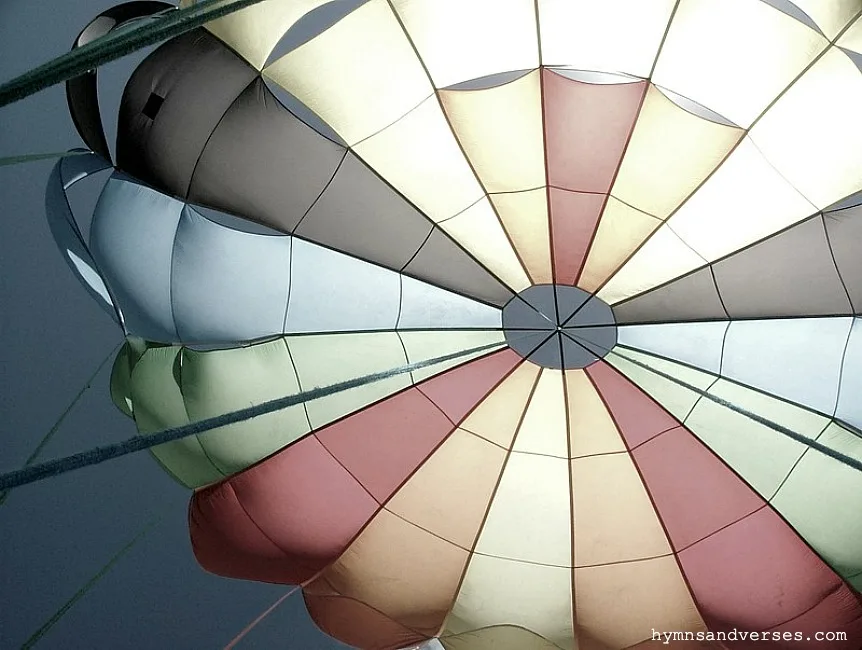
{"x":264,"y":164}
{"x":443,"y":263}
{"x":845,"y":235}
{"x":361,"y":215}
{"x":789,"y":274}
{"x":691,"y":297}
{"x":197,"y":78}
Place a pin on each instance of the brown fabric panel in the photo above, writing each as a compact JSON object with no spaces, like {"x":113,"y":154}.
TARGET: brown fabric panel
{"x":790,"y":274}
{"x":262,"y":163}
{"x":443,"y":263}
{"x":402,"y":571}
{"x":198,"y":78}
{"x":844,"y":228}
{"x":691,"y":297}
{"x":361,"y":215}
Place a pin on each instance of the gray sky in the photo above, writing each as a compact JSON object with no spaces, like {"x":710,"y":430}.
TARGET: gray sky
{"x":55,"y":535}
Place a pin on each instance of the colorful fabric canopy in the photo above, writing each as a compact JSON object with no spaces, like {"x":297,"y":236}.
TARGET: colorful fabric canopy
{"x":651,"y":210}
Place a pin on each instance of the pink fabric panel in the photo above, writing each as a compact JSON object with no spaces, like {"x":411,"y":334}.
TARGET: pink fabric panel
{"x":574,"y":219}
{"x":355,"y":623}
{"x":636,"y":415}
{"x":382,"y":445}
{"x":587,"y":127}
{"x":757,"y":574}
{"x":695,"y":493}
{"x":458,"y":391}
{"x":282,"y":520}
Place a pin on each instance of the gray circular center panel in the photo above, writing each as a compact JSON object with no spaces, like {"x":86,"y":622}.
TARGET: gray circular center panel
{"x":558,"y":326}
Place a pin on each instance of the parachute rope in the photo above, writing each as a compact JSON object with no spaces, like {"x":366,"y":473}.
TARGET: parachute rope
{"x":116,"y":45}
{"x":139,"y":442}
{"x":248,"y":628}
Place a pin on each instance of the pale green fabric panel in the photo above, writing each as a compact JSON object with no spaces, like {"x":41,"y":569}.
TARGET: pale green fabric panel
{"x":822,"y":500}
{"x":325,"y":359}
{"x":424,"y":345}
{"x":222,"y":381}
{"x":157,"y":404}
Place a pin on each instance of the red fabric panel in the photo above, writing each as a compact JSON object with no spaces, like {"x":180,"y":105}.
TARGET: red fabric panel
{"x":758,"y":573}
{"x":574,"y":219}
{"x":382,"y":445}
{"x":458,"y":391}
{"x":282,"y":520}
{"x":695,"y":492}
{"x":637,"y":416}
{"x":587,"y":127}
{"x":840,"y":611}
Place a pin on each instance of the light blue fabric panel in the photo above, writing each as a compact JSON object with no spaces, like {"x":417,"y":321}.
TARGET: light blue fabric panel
{"x":850,"y":398}
{"x":697,"y":344}
{"x":424,"y":306}
{"x":227,"y":286}
{"x":132,"y":241}
{"x":333,"y":292}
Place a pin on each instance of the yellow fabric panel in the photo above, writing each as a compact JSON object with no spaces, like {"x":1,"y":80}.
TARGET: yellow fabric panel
{"x":424,"y":345}
{"x":592,"y":429}
{"x":615,"y":520}
{"x":607,"y":36}
{"x":832,"y":16}
{"x":813,"y":134}
{"x":541,"y":603}
{"x":450,"y":493}
{"x":530,"y":518}
{"x":497,"y":417}
{"x":322,"y":360}
{"x":670,"y":153}
{"x":525,"y":218}
{"x":500,"y":129}
{"x":360,"y":76}
{"x":736,"y":76}
{"x":479,"y":231}
{"x":543,"y":430}
{"x":621,"y":230}
{"x":459,"y":41}
{"x":421,"y":158}
{"x":254,"y":32}
{"x":620,"y":604}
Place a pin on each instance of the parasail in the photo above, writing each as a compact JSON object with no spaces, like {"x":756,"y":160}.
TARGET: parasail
{"x":639,"y":221}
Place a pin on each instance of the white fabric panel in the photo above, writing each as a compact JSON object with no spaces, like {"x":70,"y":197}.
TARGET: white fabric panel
{"x":544,"y":429}
{"x":798,"y":359}
{"x":227,"y":285}
{"x":425,"y":306}
{"x":332,"y":292}
{"x":132,"y":241}
{"x":459,"y":41}
{"x":734,"y":56}
{"x":606,"y":35}
{"x":531,"y":516}
{"x":541,"y":602}
{"x":813,"y":134}
{"x":849,"y":401}
{"x":697,"y":344}
{"x":831,"y":16}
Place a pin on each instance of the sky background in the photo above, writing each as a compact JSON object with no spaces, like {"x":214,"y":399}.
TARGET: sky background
{"x":57,"y":534}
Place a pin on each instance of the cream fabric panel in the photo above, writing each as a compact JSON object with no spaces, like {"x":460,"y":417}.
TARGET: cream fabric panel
{"x":592,"y":430}
{"x":543,"y":430}
{"x":525,"y":218}
{"x":831,"y":16}
{"x":359,"y":76}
